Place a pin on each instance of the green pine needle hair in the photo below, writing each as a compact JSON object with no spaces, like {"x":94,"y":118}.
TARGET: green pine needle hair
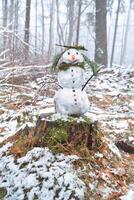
{"x":94,"y":66}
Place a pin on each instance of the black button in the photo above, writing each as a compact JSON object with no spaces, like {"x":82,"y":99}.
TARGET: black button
{"x":72,"y":70}
{"x":73,"y":90}
{"x":75,"y":99}
{"x":74,"y":95}
{"x":73,"y":81}
{"x":75,"y":103}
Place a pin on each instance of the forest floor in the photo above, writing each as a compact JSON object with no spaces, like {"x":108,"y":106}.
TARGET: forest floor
{"x":25,"y":93}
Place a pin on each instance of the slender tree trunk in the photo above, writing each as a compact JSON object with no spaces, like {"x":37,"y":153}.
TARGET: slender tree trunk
{"x":122,"y":39}
{"x":10,"y":36}
{"x":15,"y":40}
{"x":101,"y":32}
{"x":27,"y":27}
{"x":115,"y":33}
{"x":126,"y":34}
{"x":35,"y":27}
{"x":51,"y":25}
{"x":4,"y":10}
{"x":43,"y":27}
{"x":11,"y":12}
{"x":78,"y":22}
{"x":59,"y":28}
{"x":71,"y":21}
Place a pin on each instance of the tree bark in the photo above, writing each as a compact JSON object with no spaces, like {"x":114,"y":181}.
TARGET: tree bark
{"x":4,"y":10}
{"x":15,"y":40}
{"x":51,"y":26}
{"x":59,"y":28}
{"x":43,"y":26}
{"x":27,"y":28}
{"x":126,"y":146}
{"x":115,"y":34}
{"x":123,"y":54}
{"x":69,"y":131}
{"x":101,"y":32}
{"x":78,"y":22}
{"x":11,"y":12}
{"x":71,"y":21}
{"x":35,"y":27}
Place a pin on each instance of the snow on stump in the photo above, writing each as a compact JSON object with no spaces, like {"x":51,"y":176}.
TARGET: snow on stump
{"x":56,"y":131}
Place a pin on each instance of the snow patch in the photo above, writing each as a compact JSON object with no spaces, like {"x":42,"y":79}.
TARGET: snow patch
{"x":114,"y":149}
{"x":39,"y":173}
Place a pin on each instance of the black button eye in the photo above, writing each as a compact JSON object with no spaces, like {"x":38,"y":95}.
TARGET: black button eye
{"x":68,"y":53}
{"x":77,"y":53}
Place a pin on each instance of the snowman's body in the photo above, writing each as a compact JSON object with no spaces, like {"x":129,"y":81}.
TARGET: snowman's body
{"x":71,"y":100}
{"x":72,"y":77}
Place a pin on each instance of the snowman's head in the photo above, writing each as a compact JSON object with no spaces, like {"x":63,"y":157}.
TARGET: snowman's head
{"x":72,"y":56}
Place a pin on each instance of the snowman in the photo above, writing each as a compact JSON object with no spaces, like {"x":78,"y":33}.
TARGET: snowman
{"x":70,"y":99}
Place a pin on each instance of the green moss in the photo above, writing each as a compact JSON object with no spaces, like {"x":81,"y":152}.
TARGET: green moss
{"x":26,"y":117}
{"x":73,"y":120}
{"x":3,"y":193}
{"x":87,"y":120}
{"x":56,"y":135}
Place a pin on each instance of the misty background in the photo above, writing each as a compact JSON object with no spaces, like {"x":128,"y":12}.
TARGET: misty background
{"x":30,"y":30}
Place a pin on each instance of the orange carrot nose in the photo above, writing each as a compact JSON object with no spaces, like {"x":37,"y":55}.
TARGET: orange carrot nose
{"x":73,"y":57}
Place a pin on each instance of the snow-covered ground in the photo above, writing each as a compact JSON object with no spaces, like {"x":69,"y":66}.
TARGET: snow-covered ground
{"x":39,"y":175}
{"x":25,"y":92}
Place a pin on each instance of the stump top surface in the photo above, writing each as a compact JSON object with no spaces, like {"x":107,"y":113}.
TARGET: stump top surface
{"x":65,"y":118}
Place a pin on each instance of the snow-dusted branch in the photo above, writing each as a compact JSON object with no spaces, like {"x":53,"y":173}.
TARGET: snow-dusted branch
{"x":7,"y":30}
{"x":4,"y":52}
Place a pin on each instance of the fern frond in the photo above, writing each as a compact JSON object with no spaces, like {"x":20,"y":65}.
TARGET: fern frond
{"x":94,"y":66}
{"x":56,"y":60}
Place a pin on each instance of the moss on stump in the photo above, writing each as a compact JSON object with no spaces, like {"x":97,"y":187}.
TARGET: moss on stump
{"x":69,"y":135}
{"x":3,"y":192}
{"x":58,"y":132}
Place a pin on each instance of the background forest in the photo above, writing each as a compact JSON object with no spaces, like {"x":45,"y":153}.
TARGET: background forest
{"x":29,"y":30}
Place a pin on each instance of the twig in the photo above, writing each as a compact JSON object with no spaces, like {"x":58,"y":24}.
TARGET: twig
{"x":16,"y":86}
{"x":36,"y":95}
{"x":90,"y":78}
{"x":79,"y":47}
{"x":24,"y":67}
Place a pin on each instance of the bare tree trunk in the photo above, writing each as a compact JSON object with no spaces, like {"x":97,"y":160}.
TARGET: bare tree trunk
{"x":35,"y":27}
{"x":10,"y":36}
{"x":43,"y":26}
{"x":101,"y":32}
{"x":27,"y":27}
{"x":15,"y":40}
{"x":59,"y":28}
{"x":78,"y":22}
{"x":71,"y":20}
{"x":51,"y":25}
{"x":5,"y":13}
{"x":115,"y":33}
{"x":122,"y":39}
{"x":126,"y":35}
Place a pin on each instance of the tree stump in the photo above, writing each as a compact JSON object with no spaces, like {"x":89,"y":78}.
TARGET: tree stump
{"x":52,"y":129}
